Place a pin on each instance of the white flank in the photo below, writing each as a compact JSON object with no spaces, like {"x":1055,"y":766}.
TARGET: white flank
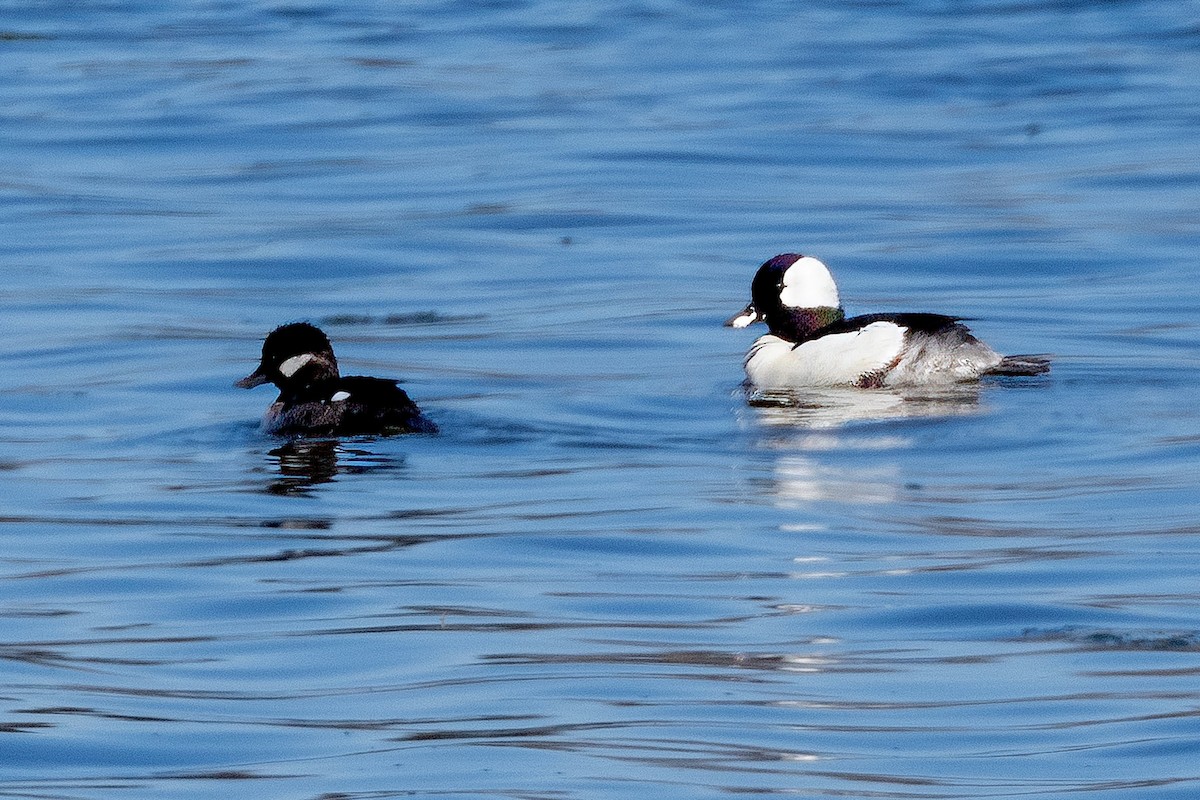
{"x":932,"y":360}
{"x":289,"y":368}
{"x":808,"y":284}
{"x":339,"y":397}
{"x":839,"y":359}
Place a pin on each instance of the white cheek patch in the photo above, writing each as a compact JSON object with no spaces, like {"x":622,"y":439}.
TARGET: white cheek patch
{"x":292,"y":365}
{"x":339,"y":397}
{"x":808,"y":284}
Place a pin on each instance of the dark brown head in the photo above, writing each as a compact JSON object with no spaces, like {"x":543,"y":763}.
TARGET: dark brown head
{"x":293,"y":354}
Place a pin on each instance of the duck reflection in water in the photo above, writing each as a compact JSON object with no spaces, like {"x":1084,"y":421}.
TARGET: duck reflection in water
{"x":819,"y":437}
{"x":306,"y":463}
{"x":832,"y":408}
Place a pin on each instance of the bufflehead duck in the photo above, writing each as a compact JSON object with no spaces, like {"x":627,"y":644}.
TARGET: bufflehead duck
{"x":315,"y":400}
{"x":811,"y":342}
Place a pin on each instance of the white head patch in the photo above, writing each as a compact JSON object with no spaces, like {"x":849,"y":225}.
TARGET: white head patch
{"x":808,"y":284}
{"x":339,"y":397}
{"x":292,"y":365}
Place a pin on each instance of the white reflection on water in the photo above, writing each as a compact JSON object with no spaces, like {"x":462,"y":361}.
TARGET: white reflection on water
{"x":822,"y":409}
{"x":812,"y":421}
{"x":802,"y":481}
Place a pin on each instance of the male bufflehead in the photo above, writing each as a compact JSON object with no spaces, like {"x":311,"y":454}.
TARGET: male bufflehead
{"x":315,"y":400}
{"x":811,"y":342}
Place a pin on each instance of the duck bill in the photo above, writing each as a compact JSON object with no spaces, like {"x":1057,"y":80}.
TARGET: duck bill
{"x":256,"y":378}
{"x":746,"y":317}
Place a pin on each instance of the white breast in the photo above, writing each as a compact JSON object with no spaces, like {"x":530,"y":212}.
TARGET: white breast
{"x":838,"y":359}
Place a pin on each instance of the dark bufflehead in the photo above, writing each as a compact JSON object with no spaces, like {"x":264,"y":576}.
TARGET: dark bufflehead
{"x":315,"y":400}
{"x":812,"y":343}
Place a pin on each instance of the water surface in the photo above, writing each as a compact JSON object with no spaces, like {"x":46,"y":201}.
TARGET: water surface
{"x":610,"y":575}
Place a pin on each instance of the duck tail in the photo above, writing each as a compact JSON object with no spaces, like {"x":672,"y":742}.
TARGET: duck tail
{"x":1022,"y":365}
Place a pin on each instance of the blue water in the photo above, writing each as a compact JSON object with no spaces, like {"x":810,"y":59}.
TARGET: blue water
{"x":610,"y":576}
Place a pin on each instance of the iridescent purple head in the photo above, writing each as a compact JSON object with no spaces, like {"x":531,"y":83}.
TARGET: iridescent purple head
{"x":793,"y":294}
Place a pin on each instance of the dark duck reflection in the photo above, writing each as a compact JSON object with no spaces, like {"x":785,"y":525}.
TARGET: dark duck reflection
{"x":304,"y":464}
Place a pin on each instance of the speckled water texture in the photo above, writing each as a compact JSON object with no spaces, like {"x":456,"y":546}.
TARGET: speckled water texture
{"x":609,"y":576}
